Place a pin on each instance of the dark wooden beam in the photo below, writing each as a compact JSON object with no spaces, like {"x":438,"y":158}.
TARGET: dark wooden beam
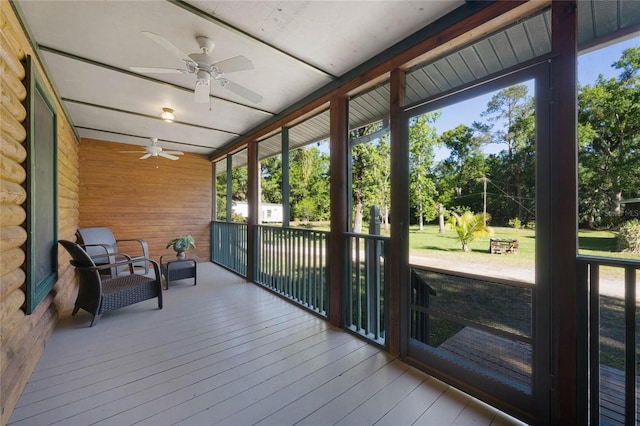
{"x":563,"y":200}
{"x":399,"y":250}
{"x":339,"y":144}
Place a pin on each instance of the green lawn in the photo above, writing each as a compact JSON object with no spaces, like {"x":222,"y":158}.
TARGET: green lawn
{"x":429,"y":242}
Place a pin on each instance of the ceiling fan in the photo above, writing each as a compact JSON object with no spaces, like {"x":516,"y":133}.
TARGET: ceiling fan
{"x":205,"y":69}
{"x":154,"y":150}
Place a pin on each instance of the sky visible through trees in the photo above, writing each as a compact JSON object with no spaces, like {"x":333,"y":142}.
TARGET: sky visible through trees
{"x":590,"y":65}
{"x":493,"y":135}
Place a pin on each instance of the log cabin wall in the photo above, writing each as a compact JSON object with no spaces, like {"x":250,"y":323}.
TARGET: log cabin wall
{"x":23,"y":337}
{"x":154,"y":199}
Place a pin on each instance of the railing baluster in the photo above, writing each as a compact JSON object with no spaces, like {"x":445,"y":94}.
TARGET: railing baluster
{"x":630,"y":346}
{"x":307,"y":264}
{"x":599,"y":410}
{"x":358,"y":286}
{"x":594,"y":351}
{"x":270,"y":271}
{"x":291,"y":262}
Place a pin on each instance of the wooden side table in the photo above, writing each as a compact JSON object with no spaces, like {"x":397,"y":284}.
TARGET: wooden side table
{"x":179,"y":269}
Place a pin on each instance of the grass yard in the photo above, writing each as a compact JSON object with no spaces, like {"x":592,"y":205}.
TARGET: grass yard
{"x":430,"y":243}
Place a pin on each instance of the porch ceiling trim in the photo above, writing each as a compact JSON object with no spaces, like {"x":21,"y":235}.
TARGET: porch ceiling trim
{"x":465,"y":24}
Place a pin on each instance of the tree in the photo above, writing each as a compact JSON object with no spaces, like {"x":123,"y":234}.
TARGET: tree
{"x":609,"y":141}
{"x":468,"y":227}
{"x":309,"y":179}
{"x":271,"y":179}
{"x":422,"y":140}
{"x":305,"y":209}
{"x":221,"y":197}
{"x":370,"y":175}
{"x":511,"y":116}
{"x":458,"y":174}
{"x":239,"y":183}
{"x":380,"y":178}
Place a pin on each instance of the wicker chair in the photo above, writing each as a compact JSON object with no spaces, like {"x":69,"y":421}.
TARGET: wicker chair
{"x":99,"y":241}
{"x":98,"y":295}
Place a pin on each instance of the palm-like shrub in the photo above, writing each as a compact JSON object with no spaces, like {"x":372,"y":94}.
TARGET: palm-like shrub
{"x":469,"y":226}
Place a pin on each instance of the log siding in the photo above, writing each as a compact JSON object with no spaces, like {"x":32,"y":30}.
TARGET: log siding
{"x":23,"y":337}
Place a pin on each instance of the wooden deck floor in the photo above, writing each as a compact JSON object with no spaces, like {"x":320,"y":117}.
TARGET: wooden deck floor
{"x":228,"y":352}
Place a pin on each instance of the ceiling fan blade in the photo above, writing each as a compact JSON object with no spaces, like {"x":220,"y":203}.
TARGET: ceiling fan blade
{"x":174,"y":152}
{"x":152,"y":70}
{"x":169,"y":156}
{"x":237,"y":63}
{"x":168,"y":45}
{"x":144,"y":157}
{"x":132,"y":152}
{"x":240,"y":90}
{"x":202,"y":91}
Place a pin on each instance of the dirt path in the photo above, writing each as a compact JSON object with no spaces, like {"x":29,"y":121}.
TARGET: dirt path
{"x":612,"y":287}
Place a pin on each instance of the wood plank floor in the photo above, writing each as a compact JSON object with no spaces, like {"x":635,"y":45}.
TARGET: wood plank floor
{"x":227,"y":352}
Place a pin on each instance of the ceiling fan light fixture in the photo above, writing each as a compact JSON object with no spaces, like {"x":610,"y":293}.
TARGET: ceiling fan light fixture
{"x":167,"y":115}
{"x":203,"y":77}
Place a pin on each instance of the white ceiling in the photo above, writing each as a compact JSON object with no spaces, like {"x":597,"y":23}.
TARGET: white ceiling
{"x":296,"y":48}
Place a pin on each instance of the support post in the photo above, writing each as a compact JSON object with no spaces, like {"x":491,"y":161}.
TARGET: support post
{"x":253,"y":194}
{"x":339,"y":205}
{"x":226,"y":232}
{"x":559,"y":246}
{"x":214,"y":192}
{"x":397,"y":333}
{"x":229,"y":186}
{"x":286,"y":205}
{"x":373,"y":253}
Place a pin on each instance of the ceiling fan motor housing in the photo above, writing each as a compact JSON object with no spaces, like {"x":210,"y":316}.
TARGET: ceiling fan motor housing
{"x":205,"y":43}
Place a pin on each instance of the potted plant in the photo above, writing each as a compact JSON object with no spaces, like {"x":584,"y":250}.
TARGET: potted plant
{"x":181,"y":244}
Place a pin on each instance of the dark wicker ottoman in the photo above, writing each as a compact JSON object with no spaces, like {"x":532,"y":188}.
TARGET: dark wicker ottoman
{"x":179,"y":269}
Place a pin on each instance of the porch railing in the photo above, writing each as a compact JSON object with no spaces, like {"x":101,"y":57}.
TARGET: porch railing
{"x":612,"y":313}
{"x":366,"y":300}
{"x":293,"y":263}
{"x":475,"y":331}
{"x":229,"y":245}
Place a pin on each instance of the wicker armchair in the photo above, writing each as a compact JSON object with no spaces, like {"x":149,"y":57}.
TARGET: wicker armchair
{"x":99,"y":241}
{"x":98,"y":295}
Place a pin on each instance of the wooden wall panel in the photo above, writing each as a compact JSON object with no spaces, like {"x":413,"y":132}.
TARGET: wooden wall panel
{"x":154,"y":199}
{"x":23,"y":337}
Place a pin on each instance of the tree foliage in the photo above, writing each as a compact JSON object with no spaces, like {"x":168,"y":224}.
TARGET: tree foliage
{"x":511,"y":121}
{"x":459,"y":173}
{"x":609,"y":144}
{"x":422,"y":141}
{"x":309,"y":179}
{"x":271,"y":179}
{"x":370,"y":176}
{"x":609,"y":160}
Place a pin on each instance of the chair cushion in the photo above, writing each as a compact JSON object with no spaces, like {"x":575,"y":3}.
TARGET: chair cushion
{"x":126,"y":290}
